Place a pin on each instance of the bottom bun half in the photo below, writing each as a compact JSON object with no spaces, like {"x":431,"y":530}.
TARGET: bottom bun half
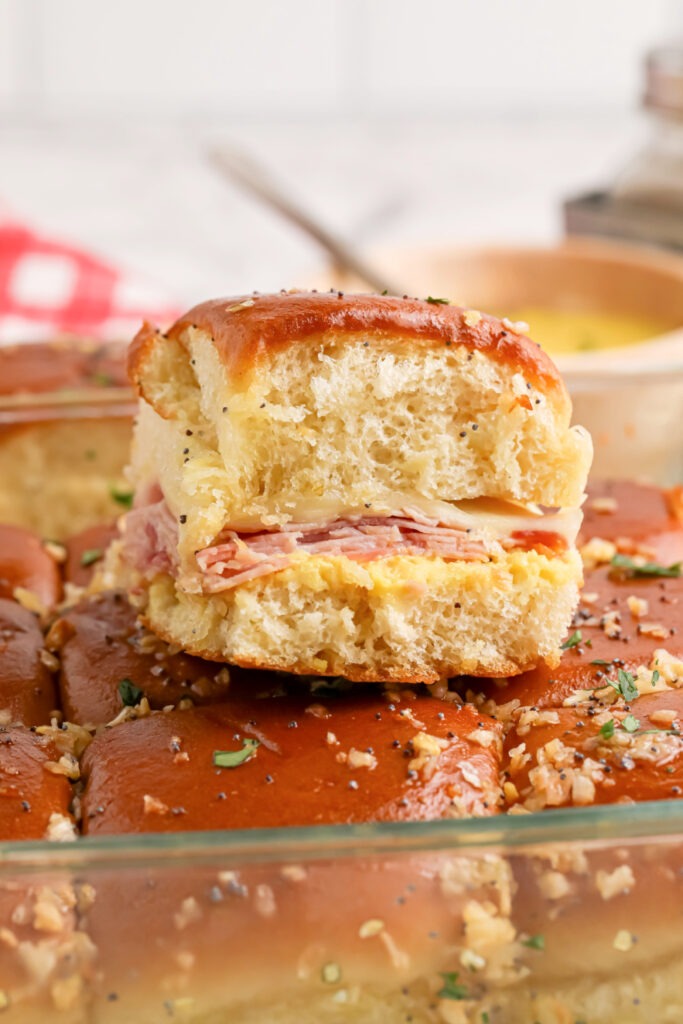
{"x":404,"y":618}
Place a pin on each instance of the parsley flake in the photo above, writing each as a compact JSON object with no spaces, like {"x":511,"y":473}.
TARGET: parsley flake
{"x":607,"y":730}
{"x":631,"y":723}
{"x":573,"y":641}
{"x":124,"y":498}
{"x":534,"y":942}
{"x":90,"y":556}
{"x":451,"y":988}
{"x":655,"y":677}
{"x":633,"y":568}
{"x":437,"y":302}
{"x":627,"y":685}
{"x":234,"y":758}
{"x":600,"y":661}
{"x":129,"y":693}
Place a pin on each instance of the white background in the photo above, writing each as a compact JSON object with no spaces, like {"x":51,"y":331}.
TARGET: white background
{"x":397,"y":121}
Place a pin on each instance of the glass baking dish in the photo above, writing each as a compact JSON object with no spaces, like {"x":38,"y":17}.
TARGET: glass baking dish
{"x":564,"y":916}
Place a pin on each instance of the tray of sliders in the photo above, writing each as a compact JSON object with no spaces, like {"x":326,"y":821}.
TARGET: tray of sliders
{"x":350,"y":705}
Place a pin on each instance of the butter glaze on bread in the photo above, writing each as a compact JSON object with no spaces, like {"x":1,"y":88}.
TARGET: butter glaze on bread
{"x":318,"y":760}
{"x":27,"y":690}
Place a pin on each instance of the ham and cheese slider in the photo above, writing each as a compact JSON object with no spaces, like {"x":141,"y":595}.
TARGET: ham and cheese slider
{"x":352,"y":485}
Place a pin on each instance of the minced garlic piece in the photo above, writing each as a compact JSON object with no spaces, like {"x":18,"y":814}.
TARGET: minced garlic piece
{"x":60,"y":828}
{"x":623,"y":941}
{"x":427,"y":749}
{"x":614,"y":883}
{"x":653,"y":629}
{"x":610,"y":623}
{"x":373,"y":926}
{"x":264,"y":901}
{"x":47,"y":916}
{"x":152,"y":805}
{"x":30,"y":601}
{"x":484,"y":737}
{"x":66,"y":992}
{"x":554,"y":885}
{"x":597,"y":552}
{"x":190,"y":912}
{"x":361,"y":759}
{"x":511,"y":792}
{"x":637,"y":606}
{"x":517,"y":327}
{"x":670,"y":667}
{"x":663,"y":717}
{"x":67,"y":765}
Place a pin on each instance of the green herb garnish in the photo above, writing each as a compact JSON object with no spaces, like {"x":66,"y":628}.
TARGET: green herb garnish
{"x":129,"y":693}
{"x":534,"y":942}
{"x":451,"y":988}
{"x":627,"y":685}
{"x":124,"y":498}
{"x":631,"y":723}
{"x":601,"y":661}
{"x":437,"y":302}
{"x":607,"y":730}
{"x":655,"y":677}
{"x":632,"y":568}
{"x":573,"y":641}
{"x":234,"y":758}
{"x":90,"y":556}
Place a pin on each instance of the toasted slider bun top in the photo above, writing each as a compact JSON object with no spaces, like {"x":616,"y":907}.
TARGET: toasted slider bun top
{"x":270,"y":409}
{"x":298,"y":759}
{"x":27,"y":691}
{"x":27,"y":568}
{"x":67,"y":364}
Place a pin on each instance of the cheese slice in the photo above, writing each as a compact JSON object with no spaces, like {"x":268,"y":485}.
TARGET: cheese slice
{"x":489,"y":517}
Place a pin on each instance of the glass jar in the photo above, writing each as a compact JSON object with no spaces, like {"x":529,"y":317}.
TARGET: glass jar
{"x":655,"y":176}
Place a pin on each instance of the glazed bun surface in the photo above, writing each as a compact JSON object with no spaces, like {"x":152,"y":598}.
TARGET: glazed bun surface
{"x":293,"y":760}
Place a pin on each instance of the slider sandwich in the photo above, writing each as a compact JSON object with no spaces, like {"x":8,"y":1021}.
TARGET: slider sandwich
{"x":359,"y":485}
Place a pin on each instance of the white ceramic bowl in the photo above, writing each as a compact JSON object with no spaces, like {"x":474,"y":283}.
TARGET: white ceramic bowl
{"x":631,"y":398}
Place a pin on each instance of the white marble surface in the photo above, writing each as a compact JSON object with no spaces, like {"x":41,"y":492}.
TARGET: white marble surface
{"x":142,"y":192}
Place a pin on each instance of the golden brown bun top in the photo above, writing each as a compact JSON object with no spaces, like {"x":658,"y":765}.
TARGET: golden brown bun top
{"x":26,"y":687}
{"x":30,"y":792}
{"x":25,"y":563}
{"x":67,"y":364}
{"x":245,"y":328}
{"x":318,"y":760}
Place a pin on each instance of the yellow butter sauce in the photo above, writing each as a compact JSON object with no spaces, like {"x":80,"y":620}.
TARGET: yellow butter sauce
{"x":561,"y":332}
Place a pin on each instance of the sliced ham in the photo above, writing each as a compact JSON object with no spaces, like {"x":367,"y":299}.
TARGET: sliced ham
{"x":151,"y":541}
{"x":236,"y":557}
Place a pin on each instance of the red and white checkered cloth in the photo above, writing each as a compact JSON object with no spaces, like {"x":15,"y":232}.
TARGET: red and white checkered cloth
{"x":49,"y":287}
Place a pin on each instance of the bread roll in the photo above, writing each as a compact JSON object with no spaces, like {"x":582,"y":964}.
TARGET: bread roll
{"x":63,"y":441}
{"x":109,"y":661}
{"x":28,"y":572}
{"x":44,"y":959}
{"x":27,"y":690}
{"x":301,"y":759}
{"x":348,"y":485}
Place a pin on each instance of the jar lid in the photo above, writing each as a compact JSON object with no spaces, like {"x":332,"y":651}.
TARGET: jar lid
{"x":664,"y":79}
